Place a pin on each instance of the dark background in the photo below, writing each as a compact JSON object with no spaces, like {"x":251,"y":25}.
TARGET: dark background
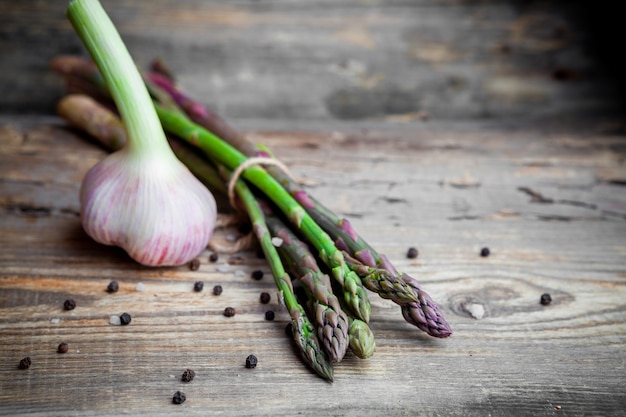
{"x":323,"y":60}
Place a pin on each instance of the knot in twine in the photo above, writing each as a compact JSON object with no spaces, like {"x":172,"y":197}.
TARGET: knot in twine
{"x":259,"y":160}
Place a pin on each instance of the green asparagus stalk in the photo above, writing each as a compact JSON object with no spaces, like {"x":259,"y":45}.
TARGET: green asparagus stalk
{"x":332,"y":322}
{"x":303,"y":330}
{"x":417,"y":306}
{"x":178,"y":124}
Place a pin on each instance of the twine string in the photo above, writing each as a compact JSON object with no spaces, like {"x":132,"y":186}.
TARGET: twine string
{"x":259,"y":160}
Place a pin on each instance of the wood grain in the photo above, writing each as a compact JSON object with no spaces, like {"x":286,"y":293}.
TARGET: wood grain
{"x":367,"y":59}
{"x":448,"y":189}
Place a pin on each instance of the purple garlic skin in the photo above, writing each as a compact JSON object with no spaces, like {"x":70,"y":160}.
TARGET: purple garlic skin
{"x":153,"y":208}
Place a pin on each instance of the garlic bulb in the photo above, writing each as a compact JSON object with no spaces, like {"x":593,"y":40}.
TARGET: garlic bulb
{"x":141,"y":198}
{"x":157,"y":211}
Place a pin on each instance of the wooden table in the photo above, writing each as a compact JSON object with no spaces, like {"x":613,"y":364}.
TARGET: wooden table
{"x":549,"y":204}
{"x":448,"y":126}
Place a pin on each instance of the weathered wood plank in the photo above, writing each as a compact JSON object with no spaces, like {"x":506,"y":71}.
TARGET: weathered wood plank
{"x":366,"y":59}
{"x":447,"y":189}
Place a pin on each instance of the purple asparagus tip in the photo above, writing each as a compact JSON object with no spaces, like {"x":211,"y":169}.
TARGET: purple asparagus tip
{"x":195,"y":109}
{"x":345,"y":225}
{"x":385,"y":263}
{"x":341,"y":245}
{"x":366,"y":258}
{"x":165,"y":83}
{"x":262,"y":154}
{"x":425,"y":314}
{"x":303,"y":198}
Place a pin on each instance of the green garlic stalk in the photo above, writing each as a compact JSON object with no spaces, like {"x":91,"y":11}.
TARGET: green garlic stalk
{"x":141,"y":198}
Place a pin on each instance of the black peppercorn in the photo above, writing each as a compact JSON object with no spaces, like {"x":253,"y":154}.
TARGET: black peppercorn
{"x":198,"y":286}
{"x":265,"y":298}
{"x":257,"y":275}
{"x":213,"y":257}
{"x":63,"y":348}
{"x":125,"y":319}
{"x":484,"y":252}
{"x":188,"y":375}
{"x":113,"y":287}
{"x":545,"y":299}
{"x":69,"y":304}
{"x":269,"y":315}
{"x":229,"y":311}
{"x":194,"y":265}
{"x":24,"y":363}
{"x":412,"y":253}
{"x":217,"y":290}
{"x":179,"y":398}
{"x":251,"y":362}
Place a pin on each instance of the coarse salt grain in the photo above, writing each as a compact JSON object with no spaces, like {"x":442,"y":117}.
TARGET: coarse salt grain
{"x":115,"y":320}
{"x":55,"y":320}
{"x":276,"y":241}
{"x":140,"y":287}
{"x":240,"y":273}
{"x":222,"y":267}
{"x":476,"y":310}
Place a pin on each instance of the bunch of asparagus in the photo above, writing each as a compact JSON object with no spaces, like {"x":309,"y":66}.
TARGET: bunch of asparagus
{"x":330,"y":316}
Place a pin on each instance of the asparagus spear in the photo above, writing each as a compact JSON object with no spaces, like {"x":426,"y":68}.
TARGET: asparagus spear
{"x":332,"y":322}
{"x":336,"y":327}
{"x":303,"y":330}
{"x":87,"y":114}
{"x":421,"y":312}
{"x":82,"y":77}
{"x":178,"y":124}
{"x":362,"y":342}
{"x":417,"y":306}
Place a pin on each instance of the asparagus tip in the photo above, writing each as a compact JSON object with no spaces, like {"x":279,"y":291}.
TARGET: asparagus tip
{"x":362,"y":341}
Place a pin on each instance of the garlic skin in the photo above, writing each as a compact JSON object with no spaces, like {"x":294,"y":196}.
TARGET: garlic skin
{"x":152,"y":207}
